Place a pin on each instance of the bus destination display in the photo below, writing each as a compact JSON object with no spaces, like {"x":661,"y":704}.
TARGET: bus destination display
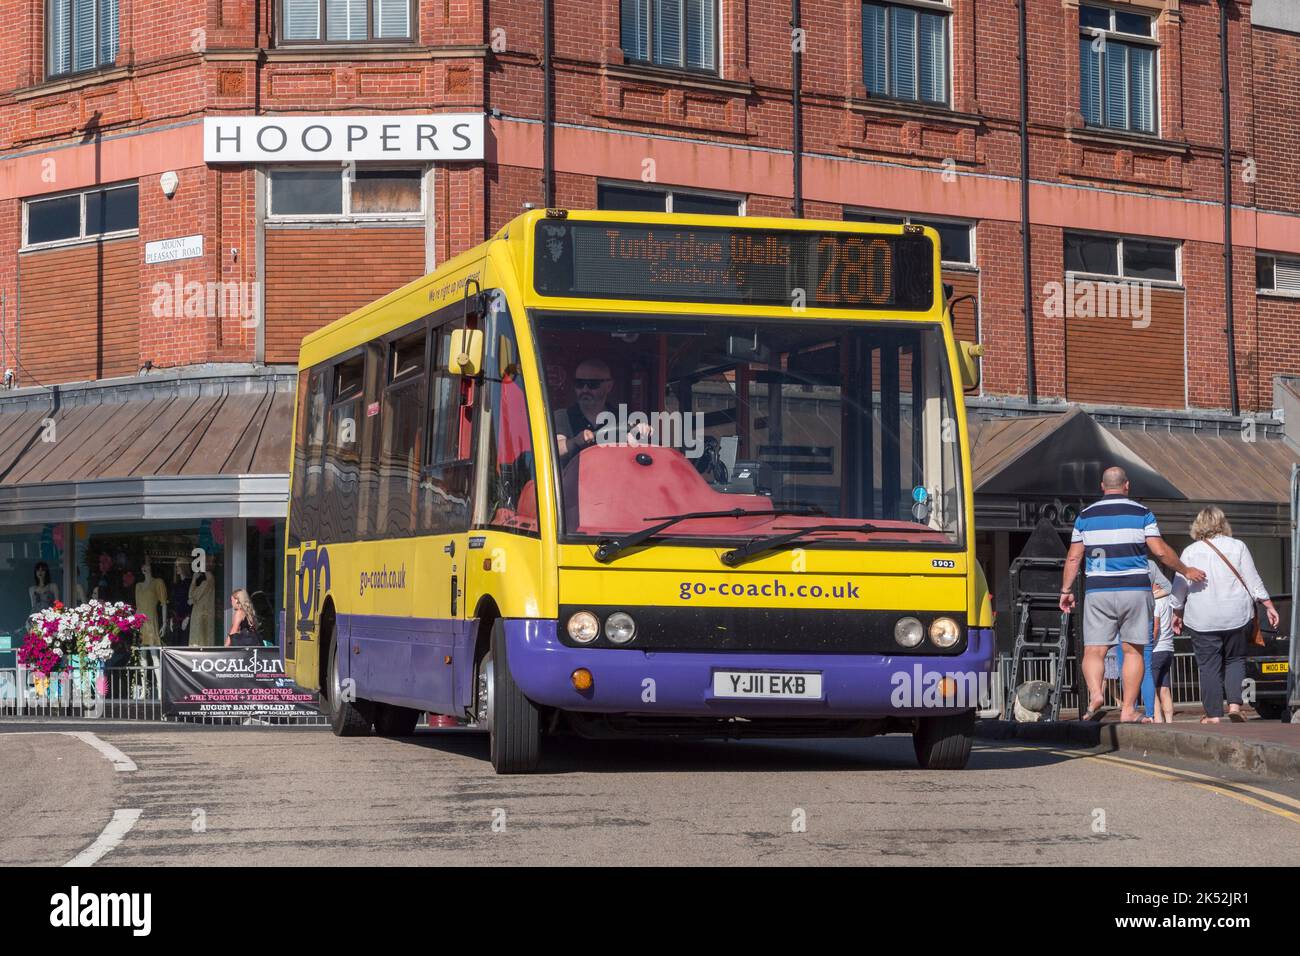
{"x":722,"y":265}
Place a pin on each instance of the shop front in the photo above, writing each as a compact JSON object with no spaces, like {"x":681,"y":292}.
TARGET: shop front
{"x":165,"y":493}
{"x":1044,"y":468}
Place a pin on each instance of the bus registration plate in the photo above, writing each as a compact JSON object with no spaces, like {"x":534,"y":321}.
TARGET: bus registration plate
{"x":767,"y":684}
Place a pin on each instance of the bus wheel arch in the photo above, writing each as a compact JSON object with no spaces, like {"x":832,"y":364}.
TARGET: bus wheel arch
{"x":325,"y":644}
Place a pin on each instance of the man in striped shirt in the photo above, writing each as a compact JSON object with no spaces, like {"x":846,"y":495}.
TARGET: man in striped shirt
{"x":1116,"y":534}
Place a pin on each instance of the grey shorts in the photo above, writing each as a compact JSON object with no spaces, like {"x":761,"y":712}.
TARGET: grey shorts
{"x":1113,"y":616}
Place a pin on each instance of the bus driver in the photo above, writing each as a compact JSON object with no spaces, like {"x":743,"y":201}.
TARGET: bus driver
{"x":578,"y":425}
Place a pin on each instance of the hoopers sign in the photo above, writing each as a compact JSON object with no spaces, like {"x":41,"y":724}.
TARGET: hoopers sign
{"x":298,"y":139}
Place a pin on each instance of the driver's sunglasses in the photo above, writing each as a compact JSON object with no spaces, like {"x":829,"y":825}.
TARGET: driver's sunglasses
{"x":590,"y":383}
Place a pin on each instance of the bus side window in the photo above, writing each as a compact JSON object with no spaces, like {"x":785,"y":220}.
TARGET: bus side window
{"x":445,"y":485}
{"x":338,"y":511}
{"x":512,"y":492}
{"x":309,"y":444}
{"x":401,"y":421}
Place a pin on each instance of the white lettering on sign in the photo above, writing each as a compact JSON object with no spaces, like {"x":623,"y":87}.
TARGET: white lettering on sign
{"x":173,"y":250}
{"x":296,"y":139}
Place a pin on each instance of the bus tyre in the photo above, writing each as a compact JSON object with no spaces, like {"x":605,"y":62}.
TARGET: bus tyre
{"x":394,"y":721}
{"x":943,"y":743}
{"x":514,"y":724}
{"x":346,"y":717}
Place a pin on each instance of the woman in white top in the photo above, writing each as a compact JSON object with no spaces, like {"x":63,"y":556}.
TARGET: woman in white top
{"x":1219,"y":613}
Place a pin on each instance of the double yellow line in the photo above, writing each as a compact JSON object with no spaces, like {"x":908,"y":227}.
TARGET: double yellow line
{"x":1238,"y":791}
{"x":1277,"y":804}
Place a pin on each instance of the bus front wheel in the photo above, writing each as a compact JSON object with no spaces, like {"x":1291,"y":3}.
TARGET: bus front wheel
{"x":514,"y":725}
{"x":346,"y":717}
{"x":943,"y":743}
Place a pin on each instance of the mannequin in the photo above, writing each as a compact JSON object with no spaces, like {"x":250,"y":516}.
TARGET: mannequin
{"x":45,"y":592}
{"x":150,"y":592}
{"x":179,"y":630}
{"x":101,"y":583}
{"x":202,"y":606}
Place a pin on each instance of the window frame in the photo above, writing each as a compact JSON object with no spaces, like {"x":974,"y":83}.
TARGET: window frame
{"x":1113,"y":35}
{"x":51,"y":71}
{"x":715,"y":70}
{"x":937,"y":7}
{"x":81,"y":238}
{"x":1273,"y":290}
{"x":370,"y":40}
{"x":902,"y":219}
{"x":347,"y":216}
{"x":669,"y":191}
{"x":1175,"y":283}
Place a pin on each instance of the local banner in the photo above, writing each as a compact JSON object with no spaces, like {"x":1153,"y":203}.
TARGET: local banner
{"x":230,"y":682}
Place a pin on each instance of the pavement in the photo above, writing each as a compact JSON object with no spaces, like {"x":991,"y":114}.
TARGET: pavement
{"x":158,"y":794}
{"x":1265,"y":747}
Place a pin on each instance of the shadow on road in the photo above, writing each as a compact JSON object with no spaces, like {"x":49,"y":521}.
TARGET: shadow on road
{"x":571,"y":754}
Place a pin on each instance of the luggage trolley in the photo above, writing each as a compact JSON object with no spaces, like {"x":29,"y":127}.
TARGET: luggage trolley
{"x":1042,"y":631}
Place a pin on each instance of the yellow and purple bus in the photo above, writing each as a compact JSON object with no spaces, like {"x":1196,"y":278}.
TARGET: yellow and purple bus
{"x":623,"y":473}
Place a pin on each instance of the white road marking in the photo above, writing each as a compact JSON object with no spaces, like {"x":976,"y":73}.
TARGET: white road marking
{"x":123,"y":820}
{"x":119,"y":760}
{"x":118,"y":827}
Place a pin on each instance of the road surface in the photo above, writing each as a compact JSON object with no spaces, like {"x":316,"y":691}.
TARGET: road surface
{"x":228,"y":797}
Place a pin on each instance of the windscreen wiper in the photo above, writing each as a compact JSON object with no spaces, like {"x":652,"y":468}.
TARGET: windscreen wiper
{"x":609,"y":550}
{"x":740,"y":555}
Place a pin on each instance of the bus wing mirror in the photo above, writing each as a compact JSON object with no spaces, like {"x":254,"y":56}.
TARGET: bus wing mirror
{"x":466,"y":352}
{"x":968,"y":357}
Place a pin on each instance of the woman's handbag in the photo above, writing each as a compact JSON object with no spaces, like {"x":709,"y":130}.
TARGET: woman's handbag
{"x":1257,"y":632}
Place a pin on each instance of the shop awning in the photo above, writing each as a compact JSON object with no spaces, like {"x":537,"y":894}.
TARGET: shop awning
{"x":1175,"y":468}
{"x":192,"y":446}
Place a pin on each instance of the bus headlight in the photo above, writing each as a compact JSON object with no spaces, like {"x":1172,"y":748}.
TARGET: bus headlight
{"x":620,"y":628}
{"x":944,"y":631}
{"x":908,"y":632}
{"x":584,"y":627}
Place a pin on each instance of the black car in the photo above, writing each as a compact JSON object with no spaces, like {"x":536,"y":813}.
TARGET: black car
{"x":1267,"y":666}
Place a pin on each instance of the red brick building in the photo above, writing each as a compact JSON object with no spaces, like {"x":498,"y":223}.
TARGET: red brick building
{"x":135,"y":252}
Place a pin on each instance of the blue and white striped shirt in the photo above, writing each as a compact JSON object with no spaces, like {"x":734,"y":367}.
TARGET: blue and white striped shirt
{"x":1114,"y":532}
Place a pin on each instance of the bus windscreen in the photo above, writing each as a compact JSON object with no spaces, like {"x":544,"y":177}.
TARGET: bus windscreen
{"x":734,"y":266}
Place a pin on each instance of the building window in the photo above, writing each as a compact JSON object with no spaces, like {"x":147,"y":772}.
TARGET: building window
{"x":1118,"y":69}
{"x":80,"y":35}
{"x":94,"y":214}
{"x":905,"y":52}
{"x":956,"y":239}
{"x":618,"y":198}
{"x":1140,"y":259}
{"x":675,"y":33}
{"x":347,"y":21}
{"x":334,"y":193}
{"x":1277,"y":274}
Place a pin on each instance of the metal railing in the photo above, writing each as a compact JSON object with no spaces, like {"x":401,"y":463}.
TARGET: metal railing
{"x":1185,"y":679}
{"x":120,"y":693}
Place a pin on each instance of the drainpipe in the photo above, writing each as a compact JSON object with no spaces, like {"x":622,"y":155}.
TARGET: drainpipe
{"x":796,"y":100}
{"x":1227,"y":205}
{"x":548,"y":113}
{"x":1031,"y":386}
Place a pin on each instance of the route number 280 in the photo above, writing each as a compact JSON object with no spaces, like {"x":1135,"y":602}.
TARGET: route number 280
{"x":855,"y":270}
